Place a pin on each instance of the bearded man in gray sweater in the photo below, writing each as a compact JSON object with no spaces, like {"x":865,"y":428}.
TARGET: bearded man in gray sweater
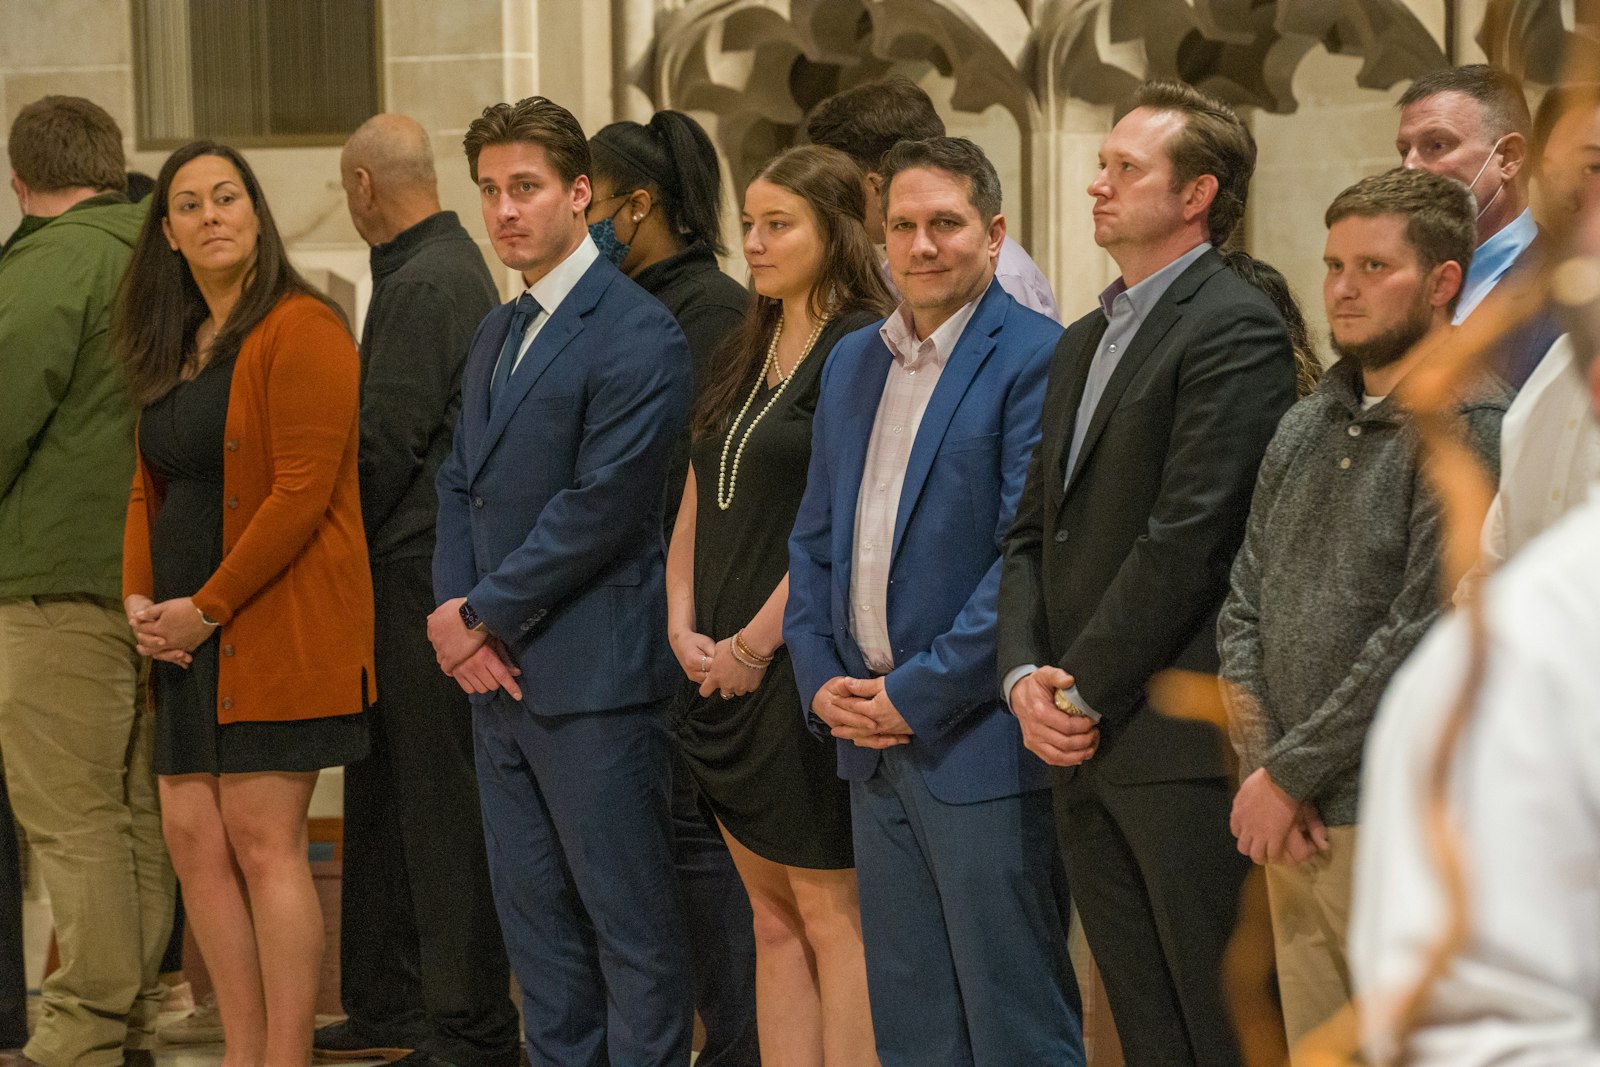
{"x":1338,"y":577}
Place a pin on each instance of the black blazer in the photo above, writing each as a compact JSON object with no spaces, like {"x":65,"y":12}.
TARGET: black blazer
{"x":1120,"y":574}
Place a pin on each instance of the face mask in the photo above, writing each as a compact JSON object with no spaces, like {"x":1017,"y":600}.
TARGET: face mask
{"x":1473,"y":184}
{"x":606,"y":240}
{"x":605,"y":236}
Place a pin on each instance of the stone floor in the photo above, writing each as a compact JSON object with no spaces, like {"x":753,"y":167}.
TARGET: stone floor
{"x":211,"y":1055}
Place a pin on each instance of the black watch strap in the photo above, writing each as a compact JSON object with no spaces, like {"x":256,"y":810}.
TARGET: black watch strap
{"x":471,"y":619}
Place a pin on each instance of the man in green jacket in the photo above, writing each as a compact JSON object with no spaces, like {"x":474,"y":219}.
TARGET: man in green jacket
{"x":76,"y":750}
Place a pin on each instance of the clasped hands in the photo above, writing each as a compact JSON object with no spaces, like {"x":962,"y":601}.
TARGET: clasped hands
{"x":859,"y":710}
{"x":714,"y":666}
{"x":169,"y":631}
{"x":477,"y":661}
{"x":1273,"y":827}
{"x":1055,"y":736}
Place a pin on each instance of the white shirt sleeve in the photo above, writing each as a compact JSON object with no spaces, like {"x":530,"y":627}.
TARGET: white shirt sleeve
{"x":1525,"y":794}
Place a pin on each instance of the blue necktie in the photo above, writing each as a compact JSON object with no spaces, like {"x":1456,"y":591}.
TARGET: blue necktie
{"x":526,"y":311}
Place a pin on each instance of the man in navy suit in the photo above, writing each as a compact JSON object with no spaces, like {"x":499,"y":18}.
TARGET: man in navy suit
{"x":549,"y":572}
{"x":922,"y":438}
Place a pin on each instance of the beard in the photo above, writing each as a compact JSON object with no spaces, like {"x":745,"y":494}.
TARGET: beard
{"x":1391,"y":345}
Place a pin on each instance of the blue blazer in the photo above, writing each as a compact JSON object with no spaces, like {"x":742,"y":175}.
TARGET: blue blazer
{"x":962,"y":483}
{"x":550,"y":507}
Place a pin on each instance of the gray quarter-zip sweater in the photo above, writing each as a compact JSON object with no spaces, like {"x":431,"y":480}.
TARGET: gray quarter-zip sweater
{"x":1336,"y":582}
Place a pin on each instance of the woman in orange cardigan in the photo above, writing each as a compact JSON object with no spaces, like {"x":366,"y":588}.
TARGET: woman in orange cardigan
{"x":245,"y":578}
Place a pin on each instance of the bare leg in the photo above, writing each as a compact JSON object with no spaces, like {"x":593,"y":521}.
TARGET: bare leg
{"x":219,"y":913}
{"x":788,"y":1009}
{"x":830,"y":908}
{"x":265,"y":816}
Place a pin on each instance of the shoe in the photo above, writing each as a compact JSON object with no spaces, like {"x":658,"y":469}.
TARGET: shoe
{"x":345,"y":1040}
{"x":420,"y":1059}
{"x":177,"y":999}
{"x":203,"y":1026}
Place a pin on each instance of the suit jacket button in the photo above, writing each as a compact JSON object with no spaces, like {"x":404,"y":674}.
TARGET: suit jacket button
{"x":477,"y":501}
{"x":1061,"y":537}
{"x":227,"y":650}
{"x":232,"y":446}
{"x":527,"y":625}
{"x":233,"y":501}
{"x":227,"y":703}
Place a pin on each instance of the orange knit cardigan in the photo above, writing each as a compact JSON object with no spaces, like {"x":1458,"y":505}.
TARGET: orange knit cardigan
{"x":294,"y":592}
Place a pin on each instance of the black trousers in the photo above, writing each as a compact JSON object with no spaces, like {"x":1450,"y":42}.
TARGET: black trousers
{"x":13,"y":980}
{"x":1156,"y":877}
{"x":423,"y":962}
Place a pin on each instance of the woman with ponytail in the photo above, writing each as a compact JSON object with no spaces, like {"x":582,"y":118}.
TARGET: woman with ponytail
{"x":657,"y":214}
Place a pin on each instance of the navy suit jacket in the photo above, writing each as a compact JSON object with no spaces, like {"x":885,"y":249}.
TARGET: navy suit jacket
{"x":550,"y":502}
{"x":962,"y":483}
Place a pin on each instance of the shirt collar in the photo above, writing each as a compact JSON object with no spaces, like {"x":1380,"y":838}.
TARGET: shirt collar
{"x":900,"y":335}
{"x":1493,"y":258}
{"x":564,"y":276}
{"x":1144,"y":295}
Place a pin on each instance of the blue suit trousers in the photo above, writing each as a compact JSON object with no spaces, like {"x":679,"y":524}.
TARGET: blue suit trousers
{"x":964,"y":914}
{"x":578,"y":833}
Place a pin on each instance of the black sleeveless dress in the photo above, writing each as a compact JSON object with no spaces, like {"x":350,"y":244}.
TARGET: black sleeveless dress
{"x":180,"y":437}
{"x":773,"y":784}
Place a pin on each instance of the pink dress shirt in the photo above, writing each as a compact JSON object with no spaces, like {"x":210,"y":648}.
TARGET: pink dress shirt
{"x":912,"y":376}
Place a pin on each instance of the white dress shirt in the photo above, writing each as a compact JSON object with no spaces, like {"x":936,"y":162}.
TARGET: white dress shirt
{"x":554,"y":288}
{"x":1020,"y":276}
{"x":1525,"y":798}
{"x":1549,"y":455}
{"x":913,"y":373}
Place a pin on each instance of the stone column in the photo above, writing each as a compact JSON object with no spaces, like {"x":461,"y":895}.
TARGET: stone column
{"x":633,"y":33}
{"x":1058,"y":161}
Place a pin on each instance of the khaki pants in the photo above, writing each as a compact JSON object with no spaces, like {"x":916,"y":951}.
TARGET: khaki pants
{"x":78,"y":767}
{"x":1310,"y":920}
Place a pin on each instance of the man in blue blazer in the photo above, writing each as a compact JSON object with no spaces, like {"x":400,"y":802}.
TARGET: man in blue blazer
{"x":549,"y":572}
{"x":923,"y":433}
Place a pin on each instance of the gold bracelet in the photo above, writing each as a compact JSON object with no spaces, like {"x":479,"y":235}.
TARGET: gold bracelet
{"x":747,"y":655}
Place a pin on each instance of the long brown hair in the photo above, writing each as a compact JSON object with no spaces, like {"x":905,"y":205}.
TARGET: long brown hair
{"x":159,"y":306}
{"x":851,"y":278}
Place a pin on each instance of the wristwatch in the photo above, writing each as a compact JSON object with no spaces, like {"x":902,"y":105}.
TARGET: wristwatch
{"x":472,"y":620}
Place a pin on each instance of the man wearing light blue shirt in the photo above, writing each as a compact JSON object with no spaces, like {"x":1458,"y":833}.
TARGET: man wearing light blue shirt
{"x":1471,"y":123}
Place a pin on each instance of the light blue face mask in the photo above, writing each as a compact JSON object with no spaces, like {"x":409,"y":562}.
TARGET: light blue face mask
{"x":606,"y":240}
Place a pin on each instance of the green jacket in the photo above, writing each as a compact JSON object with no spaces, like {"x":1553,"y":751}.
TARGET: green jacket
{"x":66,"y":415}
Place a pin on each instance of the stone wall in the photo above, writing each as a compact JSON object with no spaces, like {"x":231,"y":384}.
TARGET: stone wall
{"x":1035,"y":81}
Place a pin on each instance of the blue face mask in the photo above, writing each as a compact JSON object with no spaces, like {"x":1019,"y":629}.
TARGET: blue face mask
{"x":606,"y":240}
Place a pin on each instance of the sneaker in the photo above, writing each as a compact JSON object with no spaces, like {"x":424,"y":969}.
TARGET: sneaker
{"x":177,"y":999}
{"x":345,"y":1040}
{"x":203,"y":1026}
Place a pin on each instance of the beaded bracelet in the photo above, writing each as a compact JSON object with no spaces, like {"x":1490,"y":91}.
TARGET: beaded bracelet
{"x":747,"y":655}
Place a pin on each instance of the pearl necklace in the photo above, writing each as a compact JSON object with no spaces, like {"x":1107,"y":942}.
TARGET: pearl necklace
{"x":729,"y":478}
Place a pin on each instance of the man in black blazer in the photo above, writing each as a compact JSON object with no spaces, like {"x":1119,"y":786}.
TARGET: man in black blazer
{"x":1159,"y":407}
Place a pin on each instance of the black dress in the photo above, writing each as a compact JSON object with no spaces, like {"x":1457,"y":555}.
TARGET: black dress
{"x":773,"y":784}
{"x":180,"y":437}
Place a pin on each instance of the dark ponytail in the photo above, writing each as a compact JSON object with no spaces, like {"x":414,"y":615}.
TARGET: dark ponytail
{"x":674,"y":159}
{"x":1266,"y":277}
